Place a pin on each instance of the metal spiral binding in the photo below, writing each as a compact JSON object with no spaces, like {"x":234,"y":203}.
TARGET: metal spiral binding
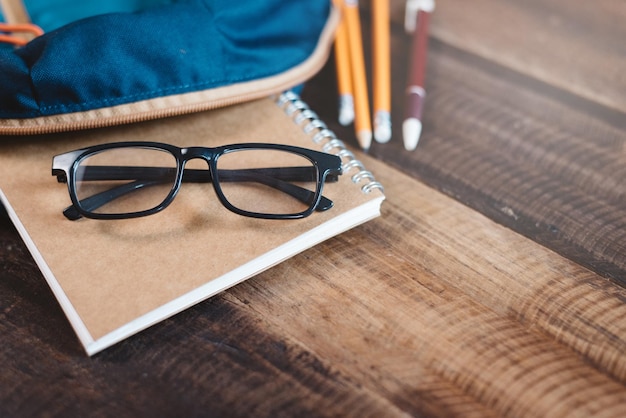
{"x":312,"y":125}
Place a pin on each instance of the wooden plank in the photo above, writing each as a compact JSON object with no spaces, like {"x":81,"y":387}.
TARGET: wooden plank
{"x":578,"y":47}
{"x":434,"y":286}
{"x":541,"y":160}
{"x":433,"y":309}
{"x":530,"y":160}
{"x":215,"y":359}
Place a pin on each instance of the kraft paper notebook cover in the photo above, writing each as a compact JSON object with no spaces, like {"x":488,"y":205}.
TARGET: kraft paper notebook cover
{"x":115,"y":278}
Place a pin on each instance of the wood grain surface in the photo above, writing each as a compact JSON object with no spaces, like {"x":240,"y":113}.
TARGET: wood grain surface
{"x":530,"y":152}
{"x":492,"y":284}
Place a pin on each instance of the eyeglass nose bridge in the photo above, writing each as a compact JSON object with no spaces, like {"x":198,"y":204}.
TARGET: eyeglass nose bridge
{"x":197,"y":175}
{"x":204,"y":153}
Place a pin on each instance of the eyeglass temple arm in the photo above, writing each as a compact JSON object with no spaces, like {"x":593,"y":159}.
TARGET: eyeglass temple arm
{"x":95,"y":173}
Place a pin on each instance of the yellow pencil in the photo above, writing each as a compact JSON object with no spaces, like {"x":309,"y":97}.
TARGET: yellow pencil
{"x":344,"y":76}
{"x":382,"y":69}
{"x":362,"y":123}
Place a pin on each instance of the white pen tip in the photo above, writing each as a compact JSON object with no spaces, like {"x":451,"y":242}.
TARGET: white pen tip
{"x":382,"y":127}
{"x":365,"y":139}
{"x":411,"y":131}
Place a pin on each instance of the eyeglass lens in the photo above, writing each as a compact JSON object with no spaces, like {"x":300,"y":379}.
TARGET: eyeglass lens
{"x":125,"y":180}
{"x":267,"y":181}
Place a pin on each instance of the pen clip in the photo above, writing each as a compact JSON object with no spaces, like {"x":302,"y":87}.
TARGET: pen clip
{"x":16,"y":33}
{"x":412,"y":8}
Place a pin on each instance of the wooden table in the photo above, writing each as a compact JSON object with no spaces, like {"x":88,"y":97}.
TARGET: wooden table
{"x":493,"y":283}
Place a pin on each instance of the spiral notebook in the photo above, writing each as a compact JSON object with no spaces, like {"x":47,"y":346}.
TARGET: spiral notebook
{"x":116,"y":278}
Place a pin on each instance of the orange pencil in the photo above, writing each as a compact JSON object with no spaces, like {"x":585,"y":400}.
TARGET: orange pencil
{"x":362,"y":123}
{"x":344,"y":76}
{"x":382,"y":68}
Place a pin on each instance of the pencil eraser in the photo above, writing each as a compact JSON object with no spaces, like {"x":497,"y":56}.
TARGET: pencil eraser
{"x":382,"y":127}
{"x":346,"y":109}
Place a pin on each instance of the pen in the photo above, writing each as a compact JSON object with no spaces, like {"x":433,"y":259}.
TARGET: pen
{"x":382,"y":77}
{"x":362,"y":123}
{"x":417,"y":17}
{"x":344,"y":77}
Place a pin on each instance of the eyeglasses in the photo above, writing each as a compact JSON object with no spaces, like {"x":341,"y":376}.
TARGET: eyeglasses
{"x":133,"y":179}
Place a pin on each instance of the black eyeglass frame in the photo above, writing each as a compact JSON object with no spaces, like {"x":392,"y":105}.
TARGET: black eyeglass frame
{"x":327,"y":167}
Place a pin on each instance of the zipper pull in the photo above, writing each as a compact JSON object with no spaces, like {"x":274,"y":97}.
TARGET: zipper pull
{"x":19,"y":34}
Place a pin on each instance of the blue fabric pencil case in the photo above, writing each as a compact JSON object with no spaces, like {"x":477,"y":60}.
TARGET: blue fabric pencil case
{"x":107,"y":63}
